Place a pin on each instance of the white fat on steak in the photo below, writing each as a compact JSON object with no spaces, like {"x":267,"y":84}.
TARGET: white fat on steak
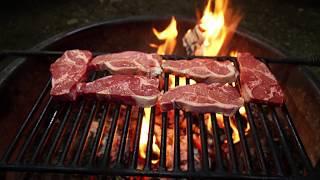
{"x":129,"y":63}
{"x":67,"y":71}
{"x":125,"y":89}
{"x":202,"y":98}
{"x":202,"y":70}
{"x":257,"y":82}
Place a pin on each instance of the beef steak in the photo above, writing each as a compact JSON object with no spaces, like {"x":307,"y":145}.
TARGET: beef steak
{"x":124,"y":89}
{"x":67,"y":71}
{"x":202,"y":98}
{"x":129,"y":63}
{"x":202,"y":70}
{"x":257,"y":83}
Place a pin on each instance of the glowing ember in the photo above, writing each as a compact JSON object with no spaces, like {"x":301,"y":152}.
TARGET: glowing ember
{"x":169,"y":36}
{"x":144,"y":137}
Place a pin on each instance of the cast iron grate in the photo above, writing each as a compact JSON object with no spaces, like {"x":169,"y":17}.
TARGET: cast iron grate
{"x":58,"y":138}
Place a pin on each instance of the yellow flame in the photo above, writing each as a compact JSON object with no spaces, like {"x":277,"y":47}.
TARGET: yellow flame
{"x":169,"y":36}
{"x":144,"y":137}
{"x":234,"y":53}
{"x":219,"y":118}
{"x":243,"y":113}
{"x":235,"y":132}
{"x":214,"y":27}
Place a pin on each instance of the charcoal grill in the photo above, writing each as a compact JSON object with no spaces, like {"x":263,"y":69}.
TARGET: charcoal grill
{"x":44,"y":141}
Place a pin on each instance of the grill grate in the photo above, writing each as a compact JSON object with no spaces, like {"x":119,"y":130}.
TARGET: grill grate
{"x":46,"y":141}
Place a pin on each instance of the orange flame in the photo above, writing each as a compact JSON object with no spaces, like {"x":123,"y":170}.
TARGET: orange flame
{"x":169,"y":36}
{"x":144,"y":137}
{"x":216,"y":28}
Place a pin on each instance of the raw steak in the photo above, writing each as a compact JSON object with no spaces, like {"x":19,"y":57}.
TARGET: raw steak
{"x":202,"y":70}
{"x":67,"y":71}
{"x":202,"y":98}
{"x":257,"y":83}
{"x":124,"y":89}
{"x":129,"y":63}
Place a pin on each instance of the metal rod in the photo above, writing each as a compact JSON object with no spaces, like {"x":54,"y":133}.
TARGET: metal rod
{"x":72,"y":133}
{"x":85,"y":134}
{"x":34,"y":130}
{"x":150,"y":140}
{"x":124,"y":135}
{"x":163,"y":141}
{"x":230,"y":144}
{"x":98,"y":133}
{"x":219,"y":160}
{"x":190,"y":142}
{"x":204,"y":146}
{"x":176,"y":141}
{"x":111,"y":135}
{"x":309,"y":61}
{"x":137,"y":140}
{"x":284,"y":143}
{"x":255,"y":136}
{"x":58,"y":134}
{"x":176,"y":160}
{"x":244,"y":143}
{"x":166,"y":82}
{"x":301,"y":149}
{"x":8,"y":153}
{"x":270,"y":141}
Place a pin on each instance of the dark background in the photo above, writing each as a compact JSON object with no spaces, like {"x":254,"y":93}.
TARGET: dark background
{"x":293,"y":25}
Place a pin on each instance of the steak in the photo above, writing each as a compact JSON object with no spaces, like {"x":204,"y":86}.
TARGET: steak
{"x":202,"y":98}
{"x":202,"y":70}
{"x":129,"y":63}
{"x":257,"y":83}
{"x":125,"y":89}
{"x":67,"y":71}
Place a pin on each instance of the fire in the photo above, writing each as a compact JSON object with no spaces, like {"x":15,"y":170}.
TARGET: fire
{"x":214,"y":30}
{"x":234,"y":53}
{"x":144,"y":137}
{"x":243,"y":113}
{"x":169,"y":36}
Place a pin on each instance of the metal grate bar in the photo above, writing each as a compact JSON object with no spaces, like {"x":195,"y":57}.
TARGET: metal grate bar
{"x":85,"y":133}
{"x":301,"y":149}
{"x":34,"y":130}
{"x":190,"y":142}
{"x":124,"y":135}
{"x":44,"y":137}
{"x":26,"y":121}
{"x":150,"y":140}
{"x":59,"y":133}
{"x":72,"y":133}
{"x":111,"y":135}
{"x":176,"y":160}
{"x":219,"y":160}
{"x":204,"y":146}
{"x":98,"y":133}
{"x":284,"y":142}
{"x":244,"y":143}
{"x":230,"y":145}
{"x":270,"y":141}
{"x":137,"y":139}
{"x":190,"y":137}
{"x":255,"y":136}
{"x":163,"y":146}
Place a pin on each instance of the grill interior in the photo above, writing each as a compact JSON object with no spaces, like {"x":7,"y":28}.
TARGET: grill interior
{"x":101,"y":138}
